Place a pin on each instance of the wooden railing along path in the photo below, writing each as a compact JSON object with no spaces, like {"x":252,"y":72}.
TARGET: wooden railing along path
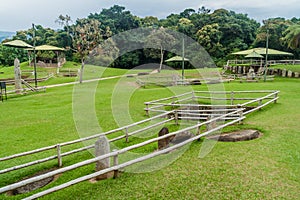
{"x":228,"y":114}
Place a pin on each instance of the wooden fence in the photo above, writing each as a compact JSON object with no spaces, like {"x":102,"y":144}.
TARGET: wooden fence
{"x":232,"y":99}
{"x":116,"y":153}
{"x":262,"y":62}
{"x":59,"y":155}
{"x":227,"y":114}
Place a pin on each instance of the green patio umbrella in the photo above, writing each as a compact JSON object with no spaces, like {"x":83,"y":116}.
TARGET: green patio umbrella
{"x":176,"y":58}
{"x":262,"y":51}
{"x":253,"y":54}
{"x":17,"y":44}
{"x":47,"y":48}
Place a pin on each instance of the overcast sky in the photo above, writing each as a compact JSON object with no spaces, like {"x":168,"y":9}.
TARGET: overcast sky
{"x":20,"y":14}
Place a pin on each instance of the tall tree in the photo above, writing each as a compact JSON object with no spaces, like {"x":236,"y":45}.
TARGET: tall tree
{"x":275,"y":27}
{"x":159,"y":39}
{"x":292,"y":36}
{"x":86,"y":35}
{"x":116,"y":18}
{"x":209,"y":37}
{"x":64,"y":21}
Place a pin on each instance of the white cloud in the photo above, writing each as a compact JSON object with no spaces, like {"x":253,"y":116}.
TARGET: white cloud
{"x":19,"y":14}
{"x":258,"y":9}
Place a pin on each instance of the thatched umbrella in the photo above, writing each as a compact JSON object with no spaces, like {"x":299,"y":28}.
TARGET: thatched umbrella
{"x":17,"y":44}
{"x":263,"y":51}
{"x":178,"y":59}
{"x":23,"y":45}
{"x":253,"y":54}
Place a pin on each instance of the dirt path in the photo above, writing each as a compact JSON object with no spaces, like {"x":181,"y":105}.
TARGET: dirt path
{"x":87,"y":81}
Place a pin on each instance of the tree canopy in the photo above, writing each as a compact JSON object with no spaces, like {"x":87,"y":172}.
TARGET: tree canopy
{"x":220,"y":32}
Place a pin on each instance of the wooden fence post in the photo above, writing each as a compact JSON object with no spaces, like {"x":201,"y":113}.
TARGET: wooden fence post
{"x":275,"y":96}
{"x":198,"y":130}
{"x":147,"y":109}
{"x":59,"y":158}
{"x":126,"y":134}
{"x":231,"y":97}
{"x":116,"y":172}
{"x":260,"y":103}
{"x":176,"y":117}
{"x":240,"y":113}
{"x":193,"y":96}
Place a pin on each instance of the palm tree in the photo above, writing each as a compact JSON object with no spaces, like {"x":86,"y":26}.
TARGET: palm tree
{"x":292,"y":36}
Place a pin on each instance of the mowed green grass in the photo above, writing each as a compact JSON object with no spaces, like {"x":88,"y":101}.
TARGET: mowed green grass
{"x":265,"y":168}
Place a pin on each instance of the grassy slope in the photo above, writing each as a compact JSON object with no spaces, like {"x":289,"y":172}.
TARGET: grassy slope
{"x":265,"y":168}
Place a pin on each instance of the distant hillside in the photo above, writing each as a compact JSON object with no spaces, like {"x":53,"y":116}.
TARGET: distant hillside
{"x":5,"y":34}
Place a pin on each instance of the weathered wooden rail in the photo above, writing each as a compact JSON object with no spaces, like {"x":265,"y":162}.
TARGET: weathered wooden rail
{"x":232,"y":99}
{"x":58,"y":147}
{"x":262,"y":62}
{"x":210,"y":114}
{"x":116,"y":153}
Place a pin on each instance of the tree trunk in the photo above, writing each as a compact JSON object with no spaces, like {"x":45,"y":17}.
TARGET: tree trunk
{"x":81,"y":71}
{"x":161,"y":58}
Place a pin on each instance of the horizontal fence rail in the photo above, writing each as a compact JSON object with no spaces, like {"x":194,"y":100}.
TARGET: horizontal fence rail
{"x":126,"y":164}
{"x":270,"y":62}
{"x":59,"y":146}
{"x":233,"y":99}
{"x":180,"y":104}
{"x":124,"y":150}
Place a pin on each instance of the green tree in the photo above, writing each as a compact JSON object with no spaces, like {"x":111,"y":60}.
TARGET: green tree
{"x":8,"y":55}
{"x":292,"y":36}
{"x":104,"y":54}
{"x":209,"y":37}
{"x":149,"y":21}
{"x":116,"y":18}
{"x":185,"y":26}
{"x":159,"y":39}
{"x":276,"y":28}
{"x":86,"y":35}
{"x":64,"y":21}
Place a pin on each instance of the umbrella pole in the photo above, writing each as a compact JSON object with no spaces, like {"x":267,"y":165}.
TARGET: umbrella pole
{"x":34,"y":57}
{"x":266,"y":61}
{"x":182,"y":59}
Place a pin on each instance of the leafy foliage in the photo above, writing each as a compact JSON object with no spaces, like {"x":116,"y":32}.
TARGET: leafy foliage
{"x":9,"y":54}
{"x":292,"y":36}
{"x":220,"y":32}
{"x":160,"y":39}
{"x":86,"y":35}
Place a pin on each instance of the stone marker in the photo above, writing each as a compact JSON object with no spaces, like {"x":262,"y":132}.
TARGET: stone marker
{"x":18,"y":83}
{"x":164,"y":143}
{"x":211,"y":125}
{"x":236,"y":136}
{"x":283,"y":73}
{"x":296,"y":74}
{"x":101,"y":148}
{"x":181,"y":137}
{"x":240,"y":70}
{"x":290,"y":74}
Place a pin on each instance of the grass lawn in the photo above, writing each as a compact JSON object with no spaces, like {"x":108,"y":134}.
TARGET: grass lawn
{"x":265,"y":168}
